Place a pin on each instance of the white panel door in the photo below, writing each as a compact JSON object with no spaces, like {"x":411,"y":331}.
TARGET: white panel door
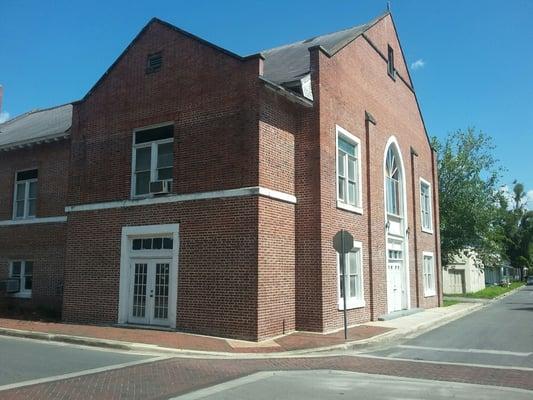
{"x":394,"y":275}
{"x":149,"y":292}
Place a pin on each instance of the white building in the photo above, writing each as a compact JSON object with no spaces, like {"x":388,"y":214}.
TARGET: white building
{"x":465,"y":275}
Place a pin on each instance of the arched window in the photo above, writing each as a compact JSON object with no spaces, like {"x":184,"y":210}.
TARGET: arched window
{"x":393,"y":182}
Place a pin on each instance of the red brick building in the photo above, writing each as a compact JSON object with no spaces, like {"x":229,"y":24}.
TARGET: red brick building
{"x":34,"y":162}
{"x":205,"y":188}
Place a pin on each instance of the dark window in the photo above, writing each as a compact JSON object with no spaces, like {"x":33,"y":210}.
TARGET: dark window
{"x":137,"y":243}
{"x":151,"y":135}
{"x":167,"y":243}
{"x":147,"y":244}
{"x":390,"y":63}
{"x":154,"y":63}
{"x":25,"y":175}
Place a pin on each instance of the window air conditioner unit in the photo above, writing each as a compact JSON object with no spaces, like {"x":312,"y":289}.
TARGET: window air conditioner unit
{"x":12,"y":285}
{"x":160,"y":187}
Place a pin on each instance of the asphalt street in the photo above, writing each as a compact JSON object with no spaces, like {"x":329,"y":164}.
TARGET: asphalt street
{"x":329,"y":385}
{"x":25,"y":359}
{"x":499,"y":334}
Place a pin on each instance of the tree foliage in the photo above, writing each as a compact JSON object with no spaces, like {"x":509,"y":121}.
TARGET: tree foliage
{"x":469,"y":196}
{"x":517,"y":225}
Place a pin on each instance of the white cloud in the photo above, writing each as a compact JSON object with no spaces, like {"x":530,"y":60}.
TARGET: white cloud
{"x":4,"y":116}
{"x":529,"y":198}
{"x":418,"y":64}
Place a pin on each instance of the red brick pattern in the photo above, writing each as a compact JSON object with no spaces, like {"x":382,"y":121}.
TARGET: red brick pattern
{"x":173,"y":377}
{"x":44,"y":244}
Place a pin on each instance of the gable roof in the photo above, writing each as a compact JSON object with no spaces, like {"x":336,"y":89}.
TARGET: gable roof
{"x":291,"y":62}
{"x":36,"y":126}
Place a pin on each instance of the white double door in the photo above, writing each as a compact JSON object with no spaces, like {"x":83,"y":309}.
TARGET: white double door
{"x":149,"y":292}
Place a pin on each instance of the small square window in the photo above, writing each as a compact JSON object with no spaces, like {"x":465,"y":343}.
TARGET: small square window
{"x":158,"y":243}
{"x":147,"y":244}
{"x":167,"y":243}
{"x":137,"y":244}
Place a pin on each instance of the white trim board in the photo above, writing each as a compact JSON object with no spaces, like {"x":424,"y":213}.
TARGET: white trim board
{"x":33,"y":220}
{"x":218,"y":194}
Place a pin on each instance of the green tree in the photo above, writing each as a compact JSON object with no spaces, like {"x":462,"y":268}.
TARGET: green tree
{"x":469,"y":196}
{"x":517,"y":225}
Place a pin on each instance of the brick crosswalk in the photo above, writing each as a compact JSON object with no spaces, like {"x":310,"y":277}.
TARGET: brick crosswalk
{"x":171,"y":377}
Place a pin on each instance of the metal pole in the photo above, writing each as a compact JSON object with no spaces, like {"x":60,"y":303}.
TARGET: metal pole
{"x":343,"y":265}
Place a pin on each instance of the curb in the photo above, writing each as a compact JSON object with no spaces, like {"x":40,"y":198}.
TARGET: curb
{"x":378,"y":340}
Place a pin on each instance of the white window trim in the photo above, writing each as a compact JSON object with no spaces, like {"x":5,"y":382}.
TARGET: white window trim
{"x":429,"y":292}
{"x":26,"y":195}
{"x":153,"y":157}
{"x":344,"y":134}
{"x":425,"y":229}
{"x":22,"y":293}
{"x":352,"y":302}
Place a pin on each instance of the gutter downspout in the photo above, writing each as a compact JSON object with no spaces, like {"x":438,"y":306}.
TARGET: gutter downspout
{"x":436,"y":230}
{"x":369,"y":119}
{"x":415,"y":229}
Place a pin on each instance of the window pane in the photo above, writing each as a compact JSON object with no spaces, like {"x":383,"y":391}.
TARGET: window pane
{"x":15,"y":270}
{"x":164,"y":155}
{"x":142,"y":160}
{"x":341,"y":157}
{"x":28,"y":268}
{"x":21,"y":191}
{"x":351,"y":193}
{"x":137,"y":243}
{"x":28,"y":281}
{"x":351,"y":168}
{"x":150,"y":135}
{"x":164,"y":174}
{"x":342,"y":195}
{"x":142,"y":184}
{"x":347,"y":147}
{"x":158,"y":243}
{"x":33,"y":190}
{"x":354,"y":262}
{"x":31,"y":208}
{"x":147,"y":244}
{"x":167,"y":243}
{"x":19,"y":209}
{"x":352,"y":286}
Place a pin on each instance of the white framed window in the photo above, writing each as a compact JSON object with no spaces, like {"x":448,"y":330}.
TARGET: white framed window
{"x":353,"y":279}
{"x":152,"y":158}
{"x":349,"y":187}
{"x":429,"y":273}
{"x":23,"y":271}
{"x":25,"y":194}
{"x":425,"y":206}
{"x":393,"y":179}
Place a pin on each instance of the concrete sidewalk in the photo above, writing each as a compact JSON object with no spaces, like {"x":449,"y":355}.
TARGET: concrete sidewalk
{"x":178,"y":343}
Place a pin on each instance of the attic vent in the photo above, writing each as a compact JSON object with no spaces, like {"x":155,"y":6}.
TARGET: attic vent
{"x":154,"y":63}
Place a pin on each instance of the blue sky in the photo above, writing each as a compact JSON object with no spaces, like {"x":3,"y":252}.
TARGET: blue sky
{"x":472,"y":60}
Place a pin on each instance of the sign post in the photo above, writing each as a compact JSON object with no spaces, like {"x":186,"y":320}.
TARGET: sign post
{"x":343,"y":244}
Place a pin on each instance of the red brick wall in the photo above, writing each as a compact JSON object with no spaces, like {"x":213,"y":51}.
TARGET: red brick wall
{"x":211,"y":98}
{"x":44,"y":244}
{"x":51,"y":160}
{"x":217,"y":270}
{"x":353,"y":81}
{"x":276,"y":272}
